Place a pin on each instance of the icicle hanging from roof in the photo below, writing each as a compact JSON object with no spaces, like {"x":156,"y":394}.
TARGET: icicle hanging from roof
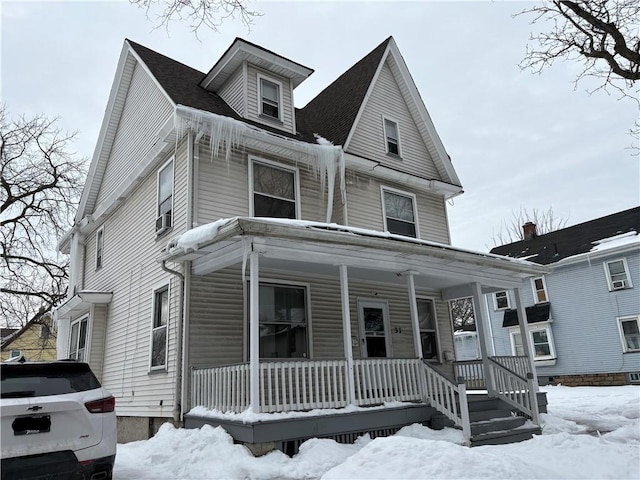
{"x":228,"y":133}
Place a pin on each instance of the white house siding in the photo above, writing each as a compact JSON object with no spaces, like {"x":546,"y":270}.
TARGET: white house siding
{"x":217,"y":315}
{"x":369,"y":141}
{"x":584,"y":313}
{"x":131,"y":272}
{"x":98,"y":320}
{"x":232,"y":91}
{"x":223,"y":188}
{"x":145,"y":111}
{"x":364,"y":207}
{"x":253,"y":111}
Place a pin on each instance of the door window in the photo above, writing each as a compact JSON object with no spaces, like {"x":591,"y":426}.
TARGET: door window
{"x":374,"y":327}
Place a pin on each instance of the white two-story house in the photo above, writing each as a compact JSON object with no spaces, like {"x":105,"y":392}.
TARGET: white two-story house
{"x":233,"y":253}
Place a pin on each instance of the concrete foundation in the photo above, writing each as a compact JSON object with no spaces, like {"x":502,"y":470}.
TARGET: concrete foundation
{"x":587,"y":380}
{"x":132,"y":429}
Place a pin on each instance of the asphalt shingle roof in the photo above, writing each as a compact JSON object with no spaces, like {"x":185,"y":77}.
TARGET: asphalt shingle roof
{"x":333,"y":111}
{"x":574,"y":240}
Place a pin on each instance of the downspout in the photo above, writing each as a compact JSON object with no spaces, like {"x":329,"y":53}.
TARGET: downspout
{"x":177,"y":407}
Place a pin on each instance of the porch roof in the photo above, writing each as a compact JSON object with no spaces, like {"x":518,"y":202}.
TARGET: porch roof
{"x":318,"y":247}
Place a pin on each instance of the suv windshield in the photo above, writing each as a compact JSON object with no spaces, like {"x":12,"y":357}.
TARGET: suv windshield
{"x":42,"y":379}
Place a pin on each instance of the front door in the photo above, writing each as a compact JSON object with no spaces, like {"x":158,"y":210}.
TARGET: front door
{"x":373,"y":316}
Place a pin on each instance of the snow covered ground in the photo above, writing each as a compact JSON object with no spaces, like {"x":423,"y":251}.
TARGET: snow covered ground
{"x":589,"y":433}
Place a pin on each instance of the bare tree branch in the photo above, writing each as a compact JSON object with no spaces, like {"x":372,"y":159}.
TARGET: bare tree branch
{"x":208,"y":13}
{"x":40,"y":186}
{"x":462,"y":314}
{"x":511,"y":230}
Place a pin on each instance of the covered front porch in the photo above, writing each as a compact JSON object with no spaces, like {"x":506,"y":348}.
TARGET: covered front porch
{"x":372,"y":370}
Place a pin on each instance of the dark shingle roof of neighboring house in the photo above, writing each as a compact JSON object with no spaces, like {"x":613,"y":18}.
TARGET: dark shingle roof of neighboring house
{"x":5,"y":333}
{"x":182,"y":84}
{"x":333,"y":111}
{"x":574,"y":240}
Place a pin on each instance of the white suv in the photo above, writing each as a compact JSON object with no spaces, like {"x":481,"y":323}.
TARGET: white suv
{"x":57,"y":421}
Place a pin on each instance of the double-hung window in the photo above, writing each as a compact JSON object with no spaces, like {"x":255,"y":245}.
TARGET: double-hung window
{"x":392,"y":137}
{"x":269,"y":98}
{"x":540,"y":290}
{"x":399,"y":213}
{"x":274,"y":190}
{"x":618,"y":274}
{"x":501,"y":300}
{"x":99,"y":247}
{"x":159,"y":330}
{"x":165,"y":197}
{"x":283,"y":321}
{"x":78,"y":342}
{"x":630,"y":333}
{"x":428,"y":331}
{"x":541,"y":340}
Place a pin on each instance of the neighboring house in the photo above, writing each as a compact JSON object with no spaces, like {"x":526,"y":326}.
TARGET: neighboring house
{"x":35,"y":341}
{"x":232,"y":252}
{"x":6,"y":332}
{"x":584,"y":317}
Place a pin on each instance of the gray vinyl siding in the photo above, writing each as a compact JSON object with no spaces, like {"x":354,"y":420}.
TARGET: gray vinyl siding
{"x":131,"y":272}
{"x":223,"y":188}
{"x":253,"y":110}
{"x":146,"y":109}
{"x":584,"y":312}
{"x":365,"y":210}
{"x":217,"y":315}
{"x":368,"y":140}
{"x":233,"y":90}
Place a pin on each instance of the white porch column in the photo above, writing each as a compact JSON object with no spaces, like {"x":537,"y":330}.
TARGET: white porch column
{"x":481,"y":322}
{"x":254,"y":334}
{"x":413,"y":307}
{"x":346,"y":330}
{"x":525,"y":335}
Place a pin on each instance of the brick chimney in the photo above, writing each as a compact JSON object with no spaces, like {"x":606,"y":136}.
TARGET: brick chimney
{"x":529,"y":230}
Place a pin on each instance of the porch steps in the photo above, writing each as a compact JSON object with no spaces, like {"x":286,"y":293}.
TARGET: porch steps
{"x":493,"y":423}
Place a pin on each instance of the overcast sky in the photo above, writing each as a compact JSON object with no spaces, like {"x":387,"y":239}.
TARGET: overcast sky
{"x":516,"y":139}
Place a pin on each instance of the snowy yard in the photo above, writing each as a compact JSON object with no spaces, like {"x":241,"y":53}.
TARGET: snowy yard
{"x":589,"y":433}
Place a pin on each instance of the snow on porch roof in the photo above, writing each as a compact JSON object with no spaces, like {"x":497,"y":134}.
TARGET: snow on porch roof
{"x":199,"y":238}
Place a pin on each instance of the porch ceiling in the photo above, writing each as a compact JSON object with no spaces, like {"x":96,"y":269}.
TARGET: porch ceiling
{"x":309,"y":249}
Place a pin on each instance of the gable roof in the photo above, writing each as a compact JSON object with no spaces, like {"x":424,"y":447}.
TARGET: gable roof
{"x":333,"y":111}
{"x":567,"y":242}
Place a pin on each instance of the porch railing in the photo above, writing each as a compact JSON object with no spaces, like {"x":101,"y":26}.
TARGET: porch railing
{"x":447,"y":397}
{"x":472,"y":371}
{"x":516,"y":390}
{"x":379,"y":380}
{"x":221,"y":388}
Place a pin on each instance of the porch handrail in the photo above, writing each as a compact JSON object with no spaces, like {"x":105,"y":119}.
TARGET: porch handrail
{"x":441,"y":393}
{"x":516,"y":390}
{"x":518,"y":364}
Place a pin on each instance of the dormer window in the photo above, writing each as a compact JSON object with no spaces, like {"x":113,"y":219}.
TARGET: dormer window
{"x":392,"y":137}
{"x":269,"y":98}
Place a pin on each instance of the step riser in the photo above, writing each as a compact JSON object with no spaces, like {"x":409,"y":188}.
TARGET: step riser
{"x":504,"y":439}
{"x":509,"y":424}
{"x":488,"y":415}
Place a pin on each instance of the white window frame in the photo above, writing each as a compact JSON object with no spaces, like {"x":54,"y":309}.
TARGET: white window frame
{"x":79,"y":321}
{"x":610,"y":282}
{"x":535,"y":290}
{"x":99,"y":248}
{"x":537,"y":327}
{"x":402,"y":193}
{"x":14,"y":353}
{"x":260,"y":78}
{"x":386,"y":141}
{"x":495,"y":301}
{"x":280,"y":166}
{"x":153,"y":328}
{"x":307,"y":300}
{"x":438,"y":357}
{"x":171,"y":162}
{"x":627,"y":318}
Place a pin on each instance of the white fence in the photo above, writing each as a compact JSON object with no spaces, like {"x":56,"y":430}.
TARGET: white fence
{"x":379,"y":380}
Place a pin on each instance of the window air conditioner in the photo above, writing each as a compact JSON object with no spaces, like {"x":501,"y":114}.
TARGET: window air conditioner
{"x":618,"y":284}
{"x":163,"y":222}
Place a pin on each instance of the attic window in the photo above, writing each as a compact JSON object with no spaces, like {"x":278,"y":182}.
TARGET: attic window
{"x":269,"y":98}
{"x":392,"y":137}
